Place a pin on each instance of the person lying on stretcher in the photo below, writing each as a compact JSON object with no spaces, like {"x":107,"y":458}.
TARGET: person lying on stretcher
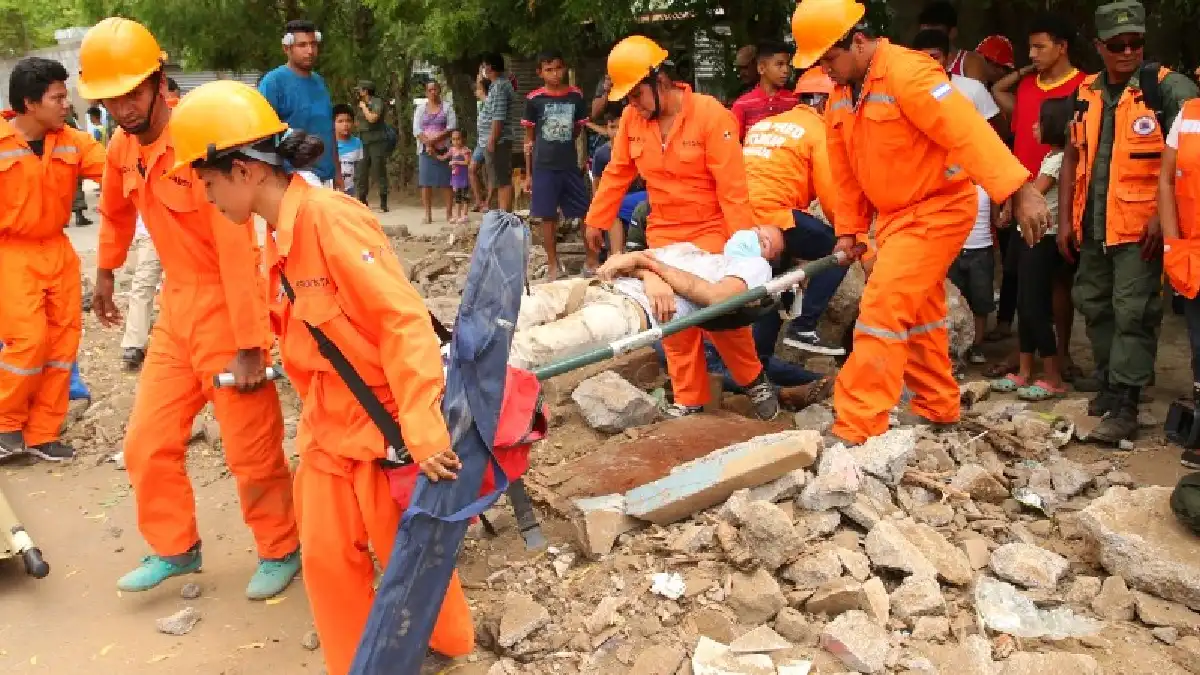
{"x":635,"y":291}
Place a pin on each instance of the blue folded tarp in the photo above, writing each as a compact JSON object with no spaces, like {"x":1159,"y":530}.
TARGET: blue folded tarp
{"x":406,"y":606}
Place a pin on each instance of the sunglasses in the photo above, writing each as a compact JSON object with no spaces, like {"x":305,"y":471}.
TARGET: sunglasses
{"x":1118,"y":46}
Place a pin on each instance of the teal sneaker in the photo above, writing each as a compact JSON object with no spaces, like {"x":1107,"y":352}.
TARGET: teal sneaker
{"x":154,"y":570}
{"x":273,"y":576}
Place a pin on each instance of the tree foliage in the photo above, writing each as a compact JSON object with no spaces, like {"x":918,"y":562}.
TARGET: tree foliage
{"x":26,"y":25}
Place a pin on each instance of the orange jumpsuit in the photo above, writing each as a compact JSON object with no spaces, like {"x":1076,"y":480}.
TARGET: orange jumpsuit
{"x":212,"y":305}
{"x":787,"y":166}
{"x":908,"y":151}
{"x":40,"y":313}
{"x":696,"y":184}
{"x":349,"y":283}
{"x":1181,"y":261}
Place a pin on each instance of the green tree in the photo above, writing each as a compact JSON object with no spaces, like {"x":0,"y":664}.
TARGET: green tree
{"x":25,"y":26}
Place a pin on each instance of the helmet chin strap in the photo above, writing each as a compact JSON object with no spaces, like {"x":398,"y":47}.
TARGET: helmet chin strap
{"x":144,"y":126}
{"x":652,"y":80}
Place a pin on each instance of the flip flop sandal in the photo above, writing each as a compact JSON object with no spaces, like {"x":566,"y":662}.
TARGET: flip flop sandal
{"x":1008,"y":384}
{"x":1040,"y":391}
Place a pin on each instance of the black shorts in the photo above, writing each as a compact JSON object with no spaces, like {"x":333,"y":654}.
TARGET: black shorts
{"x":462,"y":196}
{"x":974,"y":273}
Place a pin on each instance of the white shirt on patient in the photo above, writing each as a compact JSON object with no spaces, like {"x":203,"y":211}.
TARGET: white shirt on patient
{"x":712,"y":267}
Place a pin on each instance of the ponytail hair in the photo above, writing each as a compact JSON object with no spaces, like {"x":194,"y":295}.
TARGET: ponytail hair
{"x":297,"y":147}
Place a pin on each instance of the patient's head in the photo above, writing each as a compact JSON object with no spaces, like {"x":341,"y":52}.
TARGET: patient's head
{"x":763,"y":241}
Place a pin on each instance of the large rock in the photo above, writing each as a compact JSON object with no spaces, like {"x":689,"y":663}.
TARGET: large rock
{"x":1156,"y":612}
{"x":756,"y":597}
{"x":918,"y":596}
{"x":1029,"y":566}
{"x":767,"y":531}
{"x":838,"y":481}
{"x":887,"y":547}
{"x":859,"y":643}
{"x":1069,"y":478}
{"x":979,"y":483}
{"x":1115,"y":602}
{"x":842,"y":312}
{"x":886,"y":456}
{"x":837,"y":597}
{"x":611,"y":404}
{"x":948,"y":560}
{"x":814,"y":570}
{"x":522,"y":616}
{"x":1139,"y":539}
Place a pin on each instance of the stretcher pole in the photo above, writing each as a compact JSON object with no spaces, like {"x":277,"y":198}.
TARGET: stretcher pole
{"x":646,"y":338}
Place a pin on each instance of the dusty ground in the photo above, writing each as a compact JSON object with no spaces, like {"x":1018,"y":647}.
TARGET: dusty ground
{"x":82,"y":517}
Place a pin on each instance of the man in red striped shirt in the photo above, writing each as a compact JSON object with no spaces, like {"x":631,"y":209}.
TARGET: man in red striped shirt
{"x":772,"y":95}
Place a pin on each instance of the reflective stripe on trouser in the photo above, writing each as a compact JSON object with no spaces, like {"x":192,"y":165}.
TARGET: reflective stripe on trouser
{"x":689,"y":370}
{"x":543,"y":337}
{"x":147,"y":273}
{"x":40,"y":325}
{"x":345,"y":511}
{"x":901,"y":335}
{"x":192,"y":341}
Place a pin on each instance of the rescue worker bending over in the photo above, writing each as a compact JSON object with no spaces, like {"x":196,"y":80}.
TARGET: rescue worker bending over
{"x":685,"y":146}
{"x":787,"y":168}
{"x":563,"y":318}
{"x":1108,"y":216}
{"x":41,"y":161}
{"x":905,"y":146}
{"x":213,"y":318}
{"x":348,"y":282}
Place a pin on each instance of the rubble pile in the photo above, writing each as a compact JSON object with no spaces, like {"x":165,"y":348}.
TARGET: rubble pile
{"x":786,"y":555}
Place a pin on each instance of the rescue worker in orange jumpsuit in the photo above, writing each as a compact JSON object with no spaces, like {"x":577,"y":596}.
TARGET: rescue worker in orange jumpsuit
{"x":213,"y":319}
{"x":685,"y":146}
{"x":1179,"y":216}
{"x":41,"y":161}
{"x":349,"y":283}
{"x":904,"y":146}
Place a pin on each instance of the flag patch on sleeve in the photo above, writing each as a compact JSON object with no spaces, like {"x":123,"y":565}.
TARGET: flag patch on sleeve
{"x":941,"y":91}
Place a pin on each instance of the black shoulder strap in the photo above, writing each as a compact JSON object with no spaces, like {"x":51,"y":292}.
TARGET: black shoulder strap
{"x":1152,"y":92}
{"x":379,"y":414}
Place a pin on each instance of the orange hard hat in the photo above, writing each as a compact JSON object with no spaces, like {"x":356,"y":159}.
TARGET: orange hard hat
{"x":817,"y":25}
{"x":630,"y":62}
{"x":116,"y":55}
{"x":814,"y":81}
{"x":217,"y":116}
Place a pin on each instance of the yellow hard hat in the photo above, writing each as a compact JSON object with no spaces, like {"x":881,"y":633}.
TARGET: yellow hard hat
{"x":115,"y":57}
{"x":220,"y":115}
{"x":817,"y":25}
{"x":630,"y":61}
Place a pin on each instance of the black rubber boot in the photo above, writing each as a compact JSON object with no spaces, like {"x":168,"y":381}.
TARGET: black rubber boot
{"x":1121,"y":422}
{"x":383,"y":203}
{"x":1105,"y":400}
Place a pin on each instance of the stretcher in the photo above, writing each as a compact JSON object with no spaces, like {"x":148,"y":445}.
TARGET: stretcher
{"x":15,"y":541}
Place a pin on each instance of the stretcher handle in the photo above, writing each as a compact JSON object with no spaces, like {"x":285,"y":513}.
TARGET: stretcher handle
{"x":646,"y":338}
{"x":226,"y":379}
{"x":35,"y":565}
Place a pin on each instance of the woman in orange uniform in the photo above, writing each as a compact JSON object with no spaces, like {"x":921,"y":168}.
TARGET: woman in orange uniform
{"x":685,"y":146}
{"x":1179,"y":215}
{"x":349,"y":283}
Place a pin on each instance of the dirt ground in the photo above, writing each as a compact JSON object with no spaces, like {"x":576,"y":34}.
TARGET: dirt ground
{"x":82,"y":517}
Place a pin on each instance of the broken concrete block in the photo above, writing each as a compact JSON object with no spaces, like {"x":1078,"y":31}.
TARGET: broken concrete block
{"x":1031,"y":426}
{"x":917,"y":596}
{"x":1025,"y":663}
{"x":522,"y":616}
{"x":659,"y":660}
{"x":977,"y":552}
{"x":604,"y":615}
{"x":709,"y":480}
{"x":859,"y":643}
{"x":863,"y":511}
{"x":1069,"y":478}
{"x":970,"y":393}
{"x":879,"y":605}
{"x":836,"y":597}
{"x":759,"y":641}
{"x":1166,"y":635}
{"x":1028,"y":566}
{"x":817,"y":417}
{"x":598,"y":521}
{"x":756,"y":597}
{"x":887,"y":547}
{"x":887,"y":456}
{"x":714,"y":658}
{"x":837,"y":481}
{"x":973,"y":656}
{"x":856,"y":563}
{"x":937,"y":514}
{"x":793,"y":626}
{"x":784,"y":487}
{"x":951,"y":563}
{"x":610,"y":404}
{"x":815,"y":570}
{"x":978,"y":482}
{"x":1115,"y":601}
{"x":1156,"y":612}
{"x":1082,"y":591}
{"x":179,"y":623}
{"x":818,"y":525}
{"x":931,"y":629}
{"x":713,"y":622}
{"x":767,"y":531}
{"x":1076,"y":411}
{"x":1140,"y":539}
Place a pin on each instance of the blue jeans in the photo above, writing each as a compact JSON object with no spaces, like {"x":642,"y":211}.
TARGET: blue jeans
{"x":766,"y":331}
{"x":810,"y":239}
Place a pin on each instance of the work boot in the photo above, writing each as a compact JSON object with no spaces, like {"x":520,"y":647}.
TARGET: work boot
{"x":12,"y":444}
{"x":383,"y":203}
{"x":677,"y":410}
{"x":1104,"y":401}
{"x":911,"y":419}
{"x":1120,"y":423}
{"x":81,"y":220}
{"x":133,"y":357}
{"x":156,"y":569}
{"x":764,"y":397}
{"x":809,"y":341}
{"x":273,"y":576}
{"x":54,"y":451}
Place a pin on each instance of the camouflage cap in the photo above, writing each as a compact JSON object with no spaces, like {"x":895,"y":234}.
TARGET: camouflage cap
{"x":1117,"y":18}
{"x":366,"y":85}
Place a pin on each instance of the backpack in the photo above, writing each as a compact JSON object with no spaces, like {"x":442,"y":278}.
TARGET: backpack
{"x":1185,"y":502}
{"x":391,"y":138}
{"x":1152,"y":93}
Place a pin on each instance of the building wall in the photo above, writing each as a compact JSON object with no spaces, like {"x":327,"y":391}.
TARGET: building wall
{"x":66,"y":53}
